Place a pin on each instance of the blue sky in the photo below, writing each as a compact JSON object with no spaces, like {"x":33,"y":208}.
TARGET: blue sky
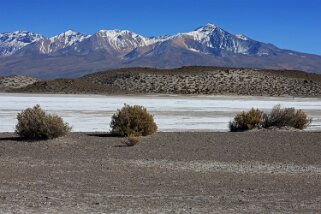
{"x":289,"y":24}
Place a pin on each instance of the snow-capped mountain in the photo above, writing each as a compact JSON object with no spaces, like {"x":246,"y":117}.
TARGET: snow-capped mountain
{"x":121,"y":39}
{"x":211,"y":39}
{"x":63,"y":40}
{"x":49,"y":46}
{"x":74,"y":54}
{"x":208,"y":39}
{"x":12,"y":42}
{"x":114,"y":42}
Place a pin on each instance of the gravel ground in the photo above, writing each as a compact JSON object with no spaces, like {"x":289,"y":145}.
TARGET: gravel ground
{"x":251,"y":172}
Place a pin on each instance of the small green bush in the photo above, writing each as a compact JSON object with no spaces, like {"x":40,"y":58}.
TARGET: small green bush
{"x":36,"y":124}
{"x":246,"y":120}
{"x":133,"y":121}
{"x":281,"y":117}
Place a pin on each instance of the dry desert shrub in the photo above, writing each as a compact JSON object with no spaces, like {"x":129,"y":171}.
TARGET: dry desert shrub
{"x":246,"y":120}
{"x":282,"y":117}
{"x":36,"y":124}
{"x":133,"y":121}
{"x":132,"y":140}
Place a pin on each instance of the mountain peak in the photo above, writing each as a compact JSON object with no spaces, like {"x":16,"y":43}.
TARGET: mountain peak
{"x":12,"y":42}
{"x":60,"y":41}
{"x":207,"y":27}
{"x":210,"y":25}
{"x":114,"y":33}
{"x":70,"y":32}
{"x":20,"y":32}
{"x":121,"y":40}
{"x":70,"y":36}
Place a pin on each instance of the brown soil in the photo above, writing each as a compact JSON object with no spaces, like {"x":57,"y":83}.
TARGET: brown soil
{"x":187,"y":80}
{"x":250,"y":172}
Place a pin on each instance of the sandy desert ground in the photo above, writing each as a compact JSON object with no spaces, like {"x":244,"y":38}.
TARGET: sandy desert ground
{"x":169,"y":172}
{"x":251,"y":172}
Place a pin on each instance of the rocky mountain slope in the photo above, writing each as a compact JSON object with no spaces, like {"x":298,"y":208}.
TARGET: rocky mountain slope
{"x":187,"y":80}
{"x":48,"y":46}
{"x":72,"y":54}
{"x":12,"y":42}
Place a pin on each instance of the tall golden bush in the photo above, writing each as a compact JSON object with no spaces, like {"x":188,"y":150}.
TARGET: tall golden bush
{"x":246,"y":120}
{"x":36,"y":124}
{"x":133,"y":121}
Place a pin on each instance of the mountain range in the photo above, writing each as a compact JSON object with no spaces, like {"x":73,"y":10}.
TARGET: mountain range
{"x":72,"y":54}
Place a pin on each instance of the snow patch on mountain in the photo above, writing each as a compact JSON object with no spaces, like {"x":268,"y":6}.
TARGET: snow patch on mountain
{"x":63,"y":40}
{"x":124,"y":39}
{"x":242,"y":36}
{"x":12,"y":42}
{"x":70,"y":38}
{"x":194,"y":50}
{"x":202,"y":34}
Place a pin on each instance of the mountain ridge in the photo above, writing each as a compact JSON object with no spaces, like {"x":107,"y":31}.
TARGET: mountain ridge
{"x":72,"y":54}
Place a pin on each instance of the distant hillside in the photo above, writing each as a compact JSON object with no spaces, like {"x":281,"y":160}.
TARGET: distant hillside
{"x":72,"y":54}
{"x":15,"y":82}
{"x":186,"y":80}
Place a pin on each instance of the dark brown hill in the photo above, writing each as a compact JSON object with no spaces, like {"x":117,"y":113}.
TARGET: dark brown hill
{"x":187,"y":80}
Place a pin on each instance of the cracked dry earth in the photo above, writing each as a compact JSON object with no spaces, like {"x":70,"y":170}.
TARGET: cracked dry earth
{"x":251,"y":172}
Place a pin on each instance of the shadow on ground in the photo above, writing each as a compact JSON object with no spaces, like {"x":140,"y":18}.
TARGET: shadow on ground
{"x":17,"y":138}
{"x":104,"y":135}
